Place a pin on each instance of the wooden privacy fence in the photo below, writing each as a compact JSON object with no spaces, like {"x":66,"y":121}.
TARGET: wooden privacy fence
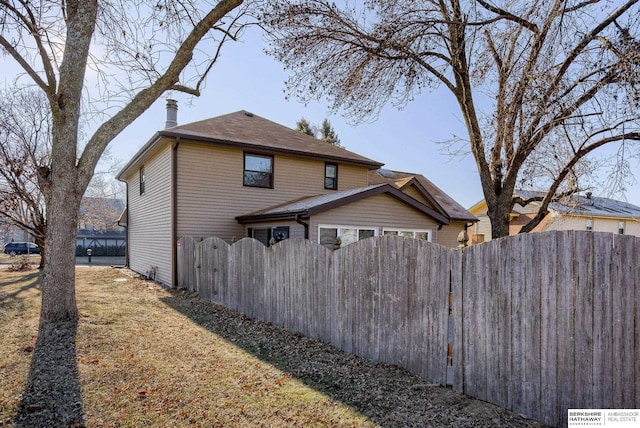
{"x":383,"y":299}
{"x":541,"y":322}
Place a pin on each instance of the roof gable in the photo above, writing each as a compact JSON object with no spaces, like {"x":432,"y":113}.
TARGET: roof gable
{"x":306,"y":207}
{"x":439,"y":200}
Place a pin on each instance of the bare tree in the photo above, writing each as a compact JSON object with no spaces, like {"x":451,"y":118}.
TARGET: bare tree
{"x":532,"y":79}
{"x":25,"y":143}
{"x":134,"y":52}
{"x":100,"y":213}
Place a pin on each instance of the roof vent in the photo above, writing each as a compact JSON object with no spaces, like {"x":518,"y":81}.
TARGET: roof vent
{"x":248,"y":113}
{"x":172,"y":114}
{"x":387,"y":173}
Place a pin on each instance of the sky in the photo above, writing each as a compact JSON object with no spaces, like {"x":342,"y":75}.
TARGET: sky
{"x":407,"y":140}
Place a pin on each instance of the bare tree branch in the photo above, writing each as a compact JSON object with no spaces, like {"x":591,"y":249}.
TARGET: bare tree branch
{"x":503,"y":14}
{"x":551,"y":74}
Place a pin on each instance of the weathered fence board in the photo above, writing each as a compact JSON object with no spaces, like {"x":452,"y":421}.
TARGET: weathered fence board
{"x":583,"y":271}
{"x":504,"y":350}
{"x":549,"y":401}
{"x":541,"y":323}
{"x":624,"y":307}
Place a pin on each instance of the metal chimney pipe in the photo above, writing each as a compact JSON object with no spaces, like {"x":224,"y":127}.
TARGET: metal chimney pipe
{"x":172,"y":114}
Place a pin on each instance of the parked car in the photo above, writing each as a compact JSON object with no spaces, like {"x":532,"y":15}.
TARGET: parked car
{"x":15,"y":248}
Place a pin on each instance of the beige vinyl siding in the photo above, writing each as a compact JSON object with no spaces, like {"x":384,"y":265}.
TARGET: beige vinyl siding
{"x":149,"y":223}
{"x":448,"y":235}
{"x":350,"y":177}
{"x":482,"y":226}
{"x":415,"y":194}
{"x":377,"y":212}
{"x":211,"y":192}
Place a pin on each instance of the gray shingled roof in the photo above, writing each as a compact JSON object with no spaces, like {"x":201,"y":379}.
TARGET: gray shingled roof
{"x":250,"y":130}
{"x":589,"y":205}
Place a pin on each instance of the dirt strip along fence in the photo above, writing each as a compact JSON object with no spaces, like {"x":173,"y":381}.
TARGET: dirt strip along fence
{"x":542,"y":323}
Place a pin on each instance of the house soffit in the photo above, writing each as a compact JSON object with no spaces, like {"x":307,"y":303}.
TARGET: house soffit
{"x":154,"y":146}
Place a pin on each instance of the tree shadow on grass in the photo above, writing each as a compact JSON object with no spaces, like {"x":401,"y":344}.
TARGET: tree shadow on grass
{"x":388,"y":395}
{"x":27,"y":278}
{"x":52,"y":396}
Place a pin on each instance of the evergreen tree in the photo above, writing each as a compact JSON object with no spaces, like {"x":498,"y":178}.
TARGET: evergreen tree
{"x":326,"y":131}
{"x":304,"y":126}
{"x":328,"y":134}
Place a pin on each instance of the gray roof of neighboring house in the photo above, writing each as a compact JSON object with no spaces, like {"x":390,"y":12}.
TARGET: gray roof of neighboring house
{"x":589,"y":205}
{"x":252,"y":132}
{"x":441,"y":201}
{"x":308,"y":206}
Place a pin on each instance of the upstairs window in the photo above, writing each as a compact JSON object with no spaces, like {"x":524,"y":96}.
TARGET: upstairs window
{"x":621,"y":227}
{"x":258,"y":171}
{"x":142,"y":180}
{"x":589,"y":224}
{"x":331,"y":176}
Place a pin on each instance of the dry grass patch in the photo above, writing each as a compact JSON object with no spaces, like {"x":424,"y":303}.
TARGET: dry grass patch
{"x":146,"y":356}
{"x":141,"y":363}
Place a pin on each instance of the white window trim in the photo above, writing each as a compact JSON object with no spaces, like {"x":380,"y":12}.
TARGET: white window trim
{"x":376,"y":230}
{"x":429,"y":232}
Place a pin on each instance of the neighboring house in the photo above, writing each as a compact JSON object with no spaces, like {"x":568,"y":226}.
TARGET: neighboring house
{"x":579,"y":212}
{"x":98,"y":227}
{"x":241,"y":175}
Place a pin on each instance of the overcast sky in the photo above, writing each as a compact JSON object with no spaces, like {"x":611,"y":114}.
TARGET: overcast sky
{"x":405,"y":140}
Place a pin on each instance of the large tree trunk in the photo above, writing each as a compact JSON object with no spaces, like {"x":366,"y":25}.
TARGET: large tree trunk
{"x":499,"y":203}
{"x":58,"y":286}
{"x":499,"y":217}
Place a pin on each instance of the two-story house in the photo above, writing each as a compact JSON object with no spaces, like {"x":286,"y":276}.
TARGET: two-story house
{"x":240,"y":175}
